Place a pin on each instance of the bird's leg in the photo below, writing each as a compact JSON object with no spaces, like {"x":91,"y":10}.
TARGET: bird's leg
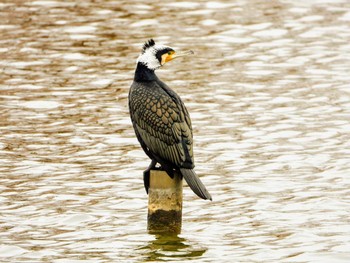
{"x":146,"y":174}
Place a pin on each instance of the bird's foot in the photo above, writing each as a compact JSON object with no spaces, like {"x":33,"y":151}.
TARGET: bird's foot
{"x":146,"y":174}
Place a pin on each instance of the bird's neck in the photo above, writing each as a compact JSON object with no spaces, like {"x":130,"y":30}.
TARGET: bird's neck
{"x":143,"y":73}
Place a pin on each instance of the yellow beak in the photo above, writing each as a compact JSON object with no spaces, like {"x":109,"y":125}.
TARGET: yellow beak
{"x":182,"y":54}
{"x":177,"y":55}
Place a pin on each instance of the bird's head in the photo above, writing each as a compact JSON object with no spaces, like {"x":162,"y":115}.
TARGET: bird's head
{"x":154,"y":56}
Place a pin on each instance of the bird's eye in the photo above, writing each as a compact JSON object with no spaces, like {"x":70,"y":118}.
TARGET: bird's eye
{"x":169,"y":52}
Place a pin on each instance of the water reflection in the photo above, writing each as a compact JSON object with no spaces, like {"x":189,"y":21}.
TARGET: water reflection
{"x":167,"y":246}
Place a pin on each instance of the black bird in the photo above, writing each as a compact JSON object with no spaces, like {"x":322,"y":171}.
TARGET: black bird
{"x":160,"y":119}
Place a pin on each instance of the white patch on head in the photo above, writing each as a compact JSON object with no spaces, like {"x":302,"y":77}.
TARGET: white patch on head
{"x":149,"y":57}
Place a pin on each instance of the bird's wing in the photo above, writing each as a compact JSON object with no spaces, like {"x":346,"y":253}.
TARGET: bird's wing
{"x":163,"y":124}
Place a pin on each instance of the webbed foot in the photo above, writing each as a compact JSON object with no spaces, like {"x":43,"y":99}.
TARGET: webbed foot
{"x":146,"y":174}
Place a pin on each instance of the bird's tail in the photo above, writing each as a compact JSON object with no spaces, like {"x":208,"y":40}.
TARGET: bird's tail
{"x":195,"y":183}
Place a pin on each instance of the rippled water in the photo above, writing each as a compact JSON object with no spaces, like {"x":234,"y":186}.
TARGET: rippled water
{"x":269,"y":95}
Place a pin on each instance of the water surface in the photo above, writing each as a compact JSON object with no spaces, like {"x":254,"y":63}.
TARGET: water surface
{"x":268,"y":93}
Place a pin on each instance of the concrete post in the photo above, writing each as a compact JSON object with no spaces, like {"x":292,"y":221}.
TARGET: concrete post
{"x":164,"y":202}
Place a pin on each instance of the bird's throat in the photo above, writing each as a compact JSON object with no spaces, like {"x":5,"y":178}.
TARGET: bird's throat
{"x":143,"y":73}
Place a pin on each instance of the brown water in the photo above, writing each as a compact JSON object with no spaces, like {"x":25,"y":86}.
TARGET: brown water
{"x":269,"y":95}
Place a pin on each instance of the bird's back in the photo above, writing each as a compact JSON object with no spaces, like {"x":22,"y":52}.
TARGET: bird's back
{"x":161,"y":123}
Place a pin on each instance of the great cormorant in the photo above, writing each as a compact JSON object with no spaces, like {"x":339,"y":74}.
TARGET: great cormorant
{"x":160,"y":119}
